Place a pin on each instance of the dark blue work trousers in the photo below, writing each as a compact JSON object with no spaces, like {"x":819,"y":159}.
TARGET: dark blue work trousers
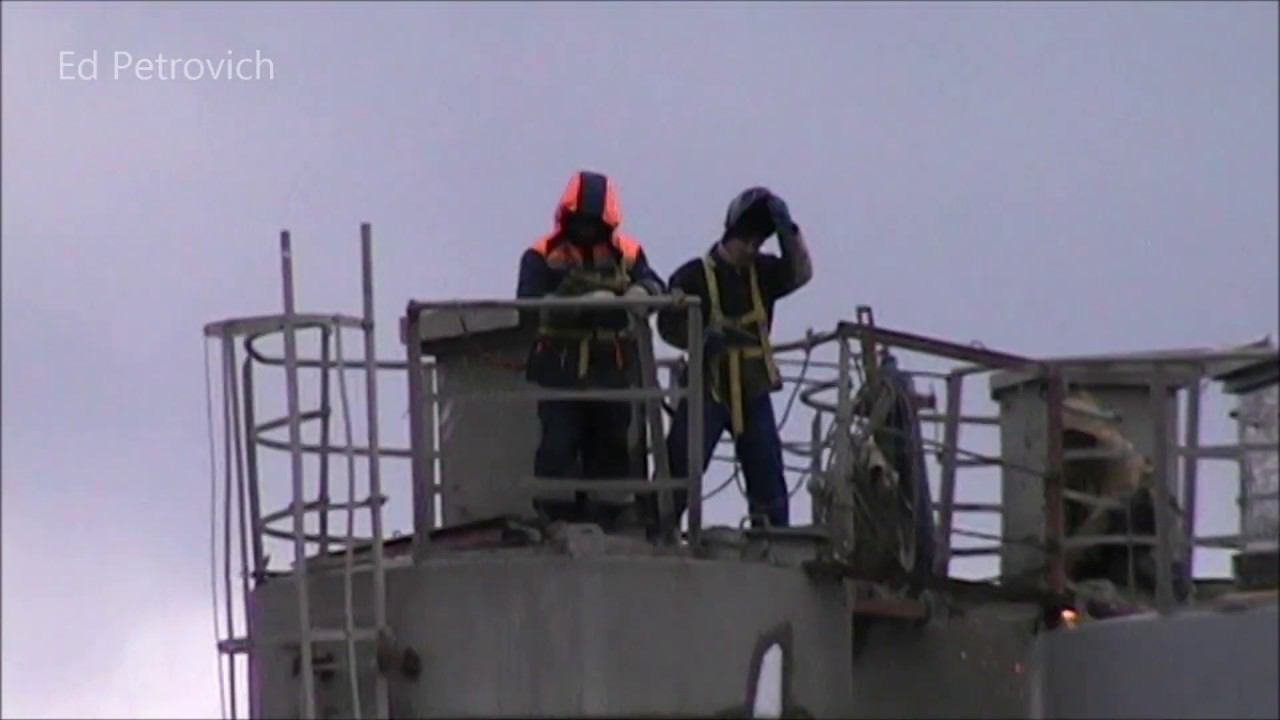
{"x":586,"y":437}
{"x":582,"y":439}
{"x":758,"y":449}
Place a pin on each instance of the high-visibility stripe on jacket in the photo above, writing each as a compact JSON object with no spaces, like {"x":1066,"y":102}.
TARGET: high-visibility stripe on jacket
{"x":556,"y":266}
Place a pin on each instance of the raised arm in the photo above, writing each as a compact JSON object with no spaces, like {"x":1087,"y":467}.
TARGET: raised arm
{"x":796,"y":268}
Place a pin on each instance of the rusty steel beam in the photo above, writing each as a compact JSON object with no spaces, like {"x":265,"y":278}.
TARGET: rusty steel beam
{"x":932,"y":346}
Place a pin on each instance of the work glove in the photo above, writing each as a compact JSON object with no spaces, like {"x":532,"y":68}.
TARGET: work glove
{"x":638,"y":291}
{"x":781,"y":215}
{"x":601,"y":294}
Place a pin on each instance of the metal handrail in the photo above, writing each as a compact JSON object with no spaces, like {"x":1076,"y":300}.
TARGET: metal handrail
{"x":266,"y":324}
{"x":692,"y":394}
{"x":627,"y":302}
{"x":258,"y":431}
{"x":254,"y":330}
{"x":559,"y":394}
{"x":988,"y":361}
{"x":289,"y":323}
{"x":1190,"y":452}
{"x":810,"y":391}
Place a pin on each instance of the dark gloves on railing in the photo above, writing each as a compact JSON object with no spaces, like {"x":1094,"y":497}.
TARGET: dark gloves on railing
{"x":638,"y":290}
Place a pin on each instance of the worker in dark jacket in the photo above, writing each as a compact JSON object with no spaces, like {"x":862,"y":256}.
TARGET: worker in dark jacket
{"x":585,"y":255}
{"x":738,"y":287}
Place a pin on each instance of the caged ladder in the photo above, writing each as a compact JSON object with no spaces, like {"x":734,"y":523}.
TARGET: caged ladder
{"x":259,"y":526}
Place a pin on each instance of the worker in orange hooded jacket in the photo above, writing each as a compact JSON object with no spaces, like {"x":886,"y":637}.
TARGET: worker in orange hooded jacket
{"x":586,"y":254}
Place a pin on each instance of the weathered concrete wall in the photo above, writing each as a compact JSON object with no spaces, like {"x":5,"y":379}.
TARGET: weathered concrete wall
{"x":988,"y":664}
{"x":478,"y":482}
{"x":968,"y":666}
{"x":510,"y":633}
{"x":523,"y":632}
{"x":1192,"y":665}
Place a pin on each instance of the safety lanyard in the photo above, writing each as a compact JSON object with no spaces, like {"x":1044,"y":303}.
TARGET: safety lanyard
{"x":755,"y":316}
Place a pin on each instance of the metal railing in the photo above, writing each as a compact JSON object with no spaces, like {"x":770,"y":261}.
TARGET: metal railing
{"x":1169,"y":456}
{"x":829,"y":447}
{"x":242,"y":437}
{"x":852,"y":370}
{"x":422,"y":396}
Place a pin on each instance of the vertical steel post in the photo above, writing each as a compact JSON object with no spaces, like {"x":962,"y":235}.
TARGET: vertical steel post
{"x":247,"y":533}
{"x":843,"y":517}
{"x":228,"y":438}
{"x":243,"y":533}
{"x":419,"y":444}
{"x":1161,"y":471}
{"x":947,"y":489}
{"x":652,"y":417}
{"x":1190,"y":481}
{"x":844,"y":408}
{"x":306,"y":671}
{"x":870,"y":363}
{"x":375,"y":477}
{"x":1053,"y":496}
{"x":431,"y":424}
{"x":815,"y":464}
{"x":695,"y":404}
{"x":326,"y":411}
{"x":229,"y":356}
{"x":251,"y":462}
{"x":1245,"y":500}
{"x":353,"y":670}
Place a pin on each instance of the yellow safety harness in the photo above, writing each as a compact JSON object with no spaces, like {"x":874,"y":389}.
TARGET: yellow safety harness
{"x":755,"y":316}
{"x":614,"y":280}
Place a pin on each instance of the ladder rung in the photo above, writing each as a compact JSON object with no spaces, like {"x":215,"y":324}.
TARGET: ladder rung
{"x":315,"y":505}
{"x":960,"y":507}
{"x":976,"y":551}
{"x":1093,"y":454}
{"x":337,"y":559}
{"x":313,"y":537}
{"x":340,"y":634}
{"x":963,"y":462}
{"x":1226,"y":452}
{"x":1221,"y":542}
{"x":368,"y":501}
{"x":243,"y":644}
{"x":234,"y":646}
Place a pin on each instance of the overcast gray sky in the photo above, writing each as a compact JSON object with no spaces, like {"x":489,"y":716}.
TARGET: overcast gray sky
{"x":1046,"y":178}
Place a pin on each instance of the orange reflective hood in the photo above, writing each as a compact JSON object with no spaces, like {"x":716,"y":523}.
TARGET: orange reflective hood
{"x":590,"y":194}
